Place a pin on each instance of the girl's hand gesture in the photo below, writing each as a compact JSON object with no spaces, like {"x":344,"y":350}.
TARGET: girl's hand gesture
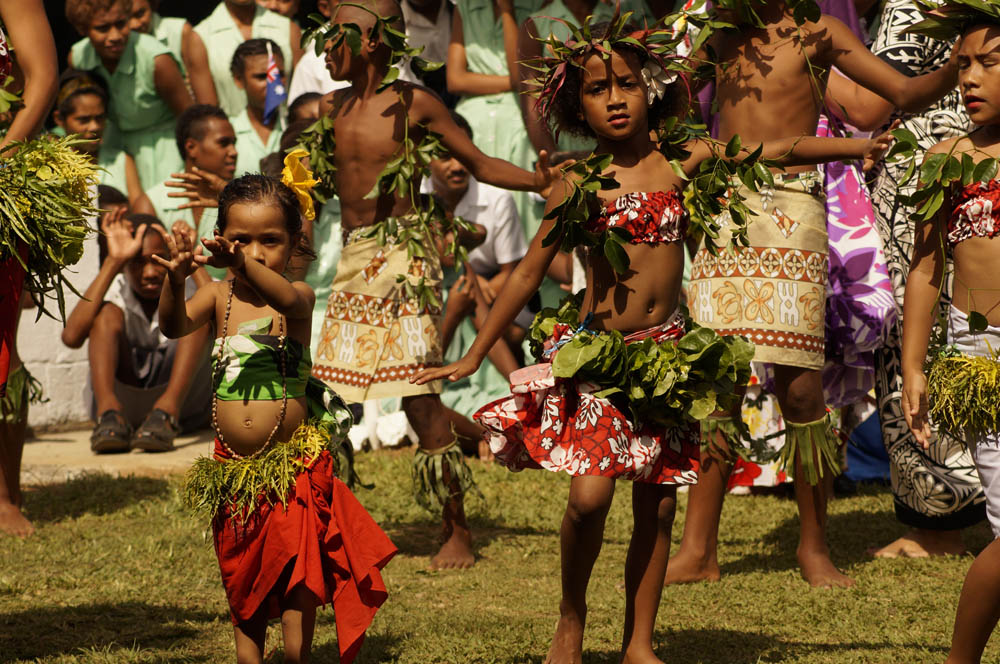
{"x":225,"y":254}
{"x":877,"y":147}
{"x":199,"y":186}
{"x":184,"y":257}
{"x":123,"y":244}
{"x":454,"y":371}
{"x":914,"y":402}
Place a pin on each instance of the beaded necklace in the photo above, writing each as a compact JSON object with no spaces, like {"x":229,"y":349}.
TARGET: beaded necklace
{"x":219,"y":368}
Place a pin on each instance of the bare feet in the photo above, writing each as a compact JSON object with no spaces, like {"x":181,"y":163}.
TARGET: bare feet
{"x":13,"y":522}
{"x":456,"y":552}
{"x":567,"y":642}
{"x":647,"y":656}
{"x":820,"y":572}
{"x":919,"y":543}
{"x":687,"y":568}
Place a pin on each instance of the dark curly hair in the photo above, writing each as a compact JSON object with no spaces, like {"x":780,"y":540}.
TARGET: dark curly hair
{"x":257,"y":188}
{"x":566,"y":113}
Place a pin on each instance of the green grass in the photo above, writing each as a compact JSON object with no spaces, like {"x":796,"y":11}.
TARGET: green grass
{"x":118,"y":572}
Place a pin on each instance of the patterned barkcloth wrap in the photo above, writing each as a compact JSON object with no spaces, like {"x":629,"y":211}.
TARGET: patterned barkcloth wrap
{"x":374,"y":337}
{"x":318,"y":536}
{"x":560,"y":425}
{"x":774,"y":291}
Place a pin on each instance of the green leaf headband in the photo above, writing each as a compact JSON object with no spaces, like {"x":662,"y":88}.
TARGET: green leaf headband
{"x":663,"y":64}
{"x":325,"y":31}
{"x":802,"y":10}
{"x":949,"y":20}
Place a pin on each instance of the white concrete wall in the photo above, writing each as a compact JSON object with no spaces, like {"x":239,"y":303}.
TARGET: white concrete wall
{"x":61,"y":370}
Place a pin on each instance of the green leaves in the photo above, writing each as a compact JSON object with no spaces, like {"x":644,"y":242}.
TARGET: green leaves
{"x":318,"y":140}
{"x":666,"y":383}
{"x":958,"y":15}
{"x":940,"y":173}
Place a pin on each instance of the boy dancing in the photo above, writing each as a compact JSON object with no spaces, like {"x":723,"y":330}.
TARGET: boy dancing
{"x":770,"y":77}
{"x":382,"y":320}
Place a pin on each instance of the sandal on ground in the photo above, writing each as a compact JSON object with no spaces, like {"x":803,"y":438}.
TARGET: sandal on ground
{"x":113,"y":433}
{"x":157,"y":432}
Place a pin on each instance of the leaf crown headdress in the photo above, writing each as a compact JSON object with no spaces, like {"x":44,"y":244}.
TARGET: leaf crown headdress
{"x":383,"y":31}
{"x":802,"y":10}
{"x":663,"y":64}
{"x":947,"y":21}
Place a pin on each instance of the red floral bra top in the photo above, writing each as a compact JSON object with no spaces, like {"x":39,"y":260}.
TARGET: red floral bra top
{"x":654,"y":217}
{"x":975,"y":213}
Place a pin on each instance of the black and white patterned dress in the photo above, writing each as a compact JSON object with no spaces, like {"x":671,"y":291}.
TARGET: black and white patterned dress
{"x":938,"y":488}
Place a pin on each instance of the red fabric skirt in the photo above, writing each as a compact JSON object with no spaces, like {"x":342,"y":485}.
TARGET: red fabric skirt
{"x":11,"y":281}
{"x":322,"y":538}
{"x":559,"y":425}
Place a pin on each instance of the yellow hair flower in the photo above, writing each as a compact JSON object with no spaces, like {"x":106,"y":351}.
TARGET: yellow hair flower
{"x":300,"y":180}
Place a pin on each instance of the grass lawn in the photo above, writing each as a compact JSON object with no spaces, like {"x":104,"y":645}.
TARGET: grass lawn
{"x":118,"y":572}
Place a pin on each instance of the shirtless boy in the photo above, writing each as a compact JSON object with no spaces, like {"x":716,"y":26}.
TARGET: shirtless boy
{"x":373,"y":337}
{"x":770,"y":84}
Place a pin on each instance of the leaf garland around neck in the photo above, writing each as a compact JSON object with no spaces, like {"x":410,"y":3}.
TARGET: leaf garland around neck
{"x":324,"y":31}
{"x":428,"y":222}
{"x":948,"y":20}
{"x":802,"y":10}
{"x":319,"y":141}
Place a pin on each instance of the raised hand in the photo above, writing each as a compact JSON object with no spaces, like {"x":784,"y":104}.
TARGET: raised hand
{"x":200,"y":187}
{"x":123,"y":245}
{"x":877,"y":147}
{"x":454,"y":371}
{"x":546,"y":174}
{"x":914,"y":403}
{"x":184,"y":257}
{"x":224,"y":254}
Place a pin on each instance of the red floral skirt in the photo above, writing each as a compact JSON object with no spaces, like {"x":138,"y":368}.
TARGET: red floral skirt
{"x":322,"y":538}
{"x":11,"y":281}
{"x":559,"y":425}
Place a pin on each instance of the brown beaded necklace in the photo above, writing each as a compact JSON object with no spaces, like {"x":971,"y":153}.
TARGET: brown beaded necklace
{"x":219,"y":368}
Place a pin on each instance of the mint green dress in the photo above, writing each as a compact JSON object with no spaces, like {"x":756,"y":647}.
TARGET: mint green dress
{"x":222,"y":36}
{"x":249,"y":148}
{"x":169,"y":31}
{"x":497,"y":126}
{"x":168,"y":211}
{"x":144,"y":121}
{"x":327,"y":244}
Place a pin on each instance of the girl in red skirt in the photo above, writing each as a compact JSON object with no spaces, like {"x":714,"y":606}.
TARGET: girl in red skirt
{"x":625,"y":375}
{"x":288,"y":533}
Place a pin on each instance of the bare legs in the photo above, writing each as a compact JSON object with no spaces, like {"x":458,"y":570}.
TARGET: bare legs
{"x":800,"y":396}
{"x":298,"y":620}
{"x":188,"y":356}
{"x":429,"y":419}
{"x":12,"y":521}
{"x":106,"y":345}
{"x":581,"y":536}
{"x":978,"y":608}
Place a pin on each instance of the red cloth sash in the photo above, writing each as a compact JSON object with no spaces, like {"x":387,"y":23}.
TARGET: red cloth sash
{"x":11,"y":282}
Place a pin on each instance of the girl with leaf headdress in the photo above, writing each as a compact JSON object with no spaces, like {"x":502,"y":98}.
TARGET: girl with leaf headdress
{"x":957,"y":212}
{"x":624,"y":377}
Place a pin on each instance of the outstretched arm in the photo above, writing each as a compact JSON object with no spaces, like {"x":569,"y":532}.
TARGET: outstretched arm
{"x":855,"y":104}
{"x":428,"y":110}
{"x":517,"y":290}
{"x":35,"y":51}
{"x":177,"y":317}
{"x":911,"y":94}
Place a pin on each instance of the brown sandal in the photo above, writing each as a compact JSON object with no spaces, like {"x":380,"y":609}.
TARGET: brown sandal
{"x":157,"y":432}
{"x":113,"y":433}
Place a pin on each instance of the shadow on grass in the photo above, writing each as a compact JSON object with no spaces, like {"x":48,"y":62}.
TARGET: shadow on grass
{"x":91,"y":493}
{"x":377,"y":648}
{"x":726,"y":646}
{"x":53,"y":631}
{"x":422,"y":537}
{"x":850,"y":535}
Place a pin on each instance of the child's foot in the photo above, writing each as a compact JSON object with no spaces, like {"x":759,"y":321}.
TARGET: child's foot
{"x":686,"y":568}
{"x":820,"y":572}
{"x":13,"y":522}
{"x":922,"y":544}
{"x":456,"y":552}
{"x":640,"y":656}
{"x":567,"y":642}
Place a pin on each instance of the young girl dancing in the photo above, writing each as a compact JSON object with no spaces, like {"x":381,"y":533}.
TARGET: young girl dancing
{"x":288,"y":533}
{"x":622,"y":384}
{"x":964,"y":381}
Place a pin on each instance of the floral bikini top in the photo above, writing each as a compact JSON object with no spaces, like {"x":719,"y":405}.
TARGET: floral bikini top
{"x":655,"y":217}
{"x":975,"y":213}
{"x":248,"y":367}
